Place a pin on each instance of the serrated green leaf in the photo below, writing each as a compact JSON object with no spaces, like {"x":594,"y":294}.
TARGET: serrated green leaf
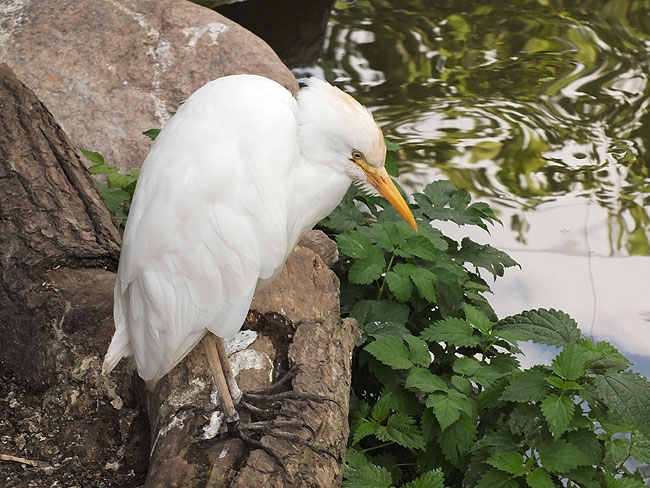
{"x":616,"y":451}
{"x":354,"y":244}
{"x":445,"y":409}
{"x":627,"y":395}
{"x":419,"y":246}
{"x":422,"y":379}
{"x":550,"y":327}
{"x":558,"y":412}
{"x":640,"y":449}
{"x":623,"y":482}
{"x":462,"y":384}
{"x":509,"y":461}
{"x":390,"y":351}
{"x":361,"y":473}
{"x":456,"y":440}
{"x":368,"y":269}
{"x":451,"y":330}
{"x":477,"y":319}
{"x":559,"y":456}
{"x":418,"y":350}
{"x":95,"y":157}
{"x":571,"y":362}
{"x":527,"y":420}
{"x":539,"y":478}
{"x":363,"y":430}
{"x":555,"y":381}
{"x":403,"y":430}
{"x":424,"y":281}
{"x":152,"y":133}
{"x":381,"y":409}
{"x":430,"y":479}
{"x":484,"y":256}
{"x":367,"y":311}
{"x":467,"y":366}
{"x":399,"y":281}
{"x":441,"y":201}
{"x":527,"y":386}
{"x":496,"y":479}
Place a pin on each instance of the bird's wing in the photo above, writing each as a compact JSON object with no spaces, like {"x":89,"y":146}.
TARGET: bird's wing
{"x":207,"y":221}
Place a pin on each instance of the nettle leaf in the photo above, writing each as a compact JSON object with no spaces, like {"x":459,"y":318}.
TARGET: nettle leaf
{"x":367,"y":269}
{"x":445,"y":409}
{"x":462,"y":384}
{"x":365,"y":429}
{"x":477,"y":319}
{"x":457,"y":439}
{"x":382,"y":408}
{"x":424,"y":282}
{"x":560,"y":456}
{"x":399,"y":281}
{"x":360,"y":472}
{"x":509,"y":461}
{"x":624,"y":482}
{"x":571,"y":362}
{"x":419,"y":246}
{"x":496,"y":479}
{"x":626,"y":394}
{"x":430,"y":479}
{"x":539,"y":478}
{"x":484,"y":256}
{"x":403,"y":430}
{"x":423,"y":380}
{"x":610,"y":358}
{"x":418,"y":350}
{"x":152,"y":133}
{"x":380,"y":329}
{"x":354,"y":244}
{"x":451,"y":330}
{"x":346,"y":216}
{"x":440,"y":200}
{"x":550,"y":327}
{"x":367,"y":311}
{"x":95,"y":157}
{"x":616,"y":451}
{"x":558,"y":412}
{"x":390,"y":351}
{"x":640,"y":449}
{"x":527,"y":386}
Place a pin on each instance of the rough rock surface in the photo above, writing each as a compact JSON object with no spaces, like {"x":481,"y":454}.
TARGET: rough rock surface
{"x":110,"y":70}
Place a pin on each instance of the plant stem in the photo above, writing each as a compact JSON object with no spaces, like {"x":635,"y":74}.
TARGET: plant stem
{"x":383,"y":283}
{"x":379,"y":446}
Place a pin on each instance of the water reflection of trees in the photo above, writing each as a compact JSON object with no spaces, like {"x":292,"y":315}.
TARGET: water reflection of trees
{"x":524,"y":102}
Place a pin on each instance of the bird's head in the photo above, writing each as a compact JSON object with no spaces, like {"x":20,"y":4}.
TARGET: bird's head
{"x":336,"y":130}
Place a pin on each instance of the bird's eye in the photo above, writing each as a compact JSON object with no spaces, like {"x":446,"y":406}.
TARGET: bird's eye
{"x":357,"y":154}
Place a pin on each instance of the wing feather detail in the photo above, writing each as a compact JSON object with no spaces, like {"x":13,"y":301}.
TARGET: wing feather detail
{"x":208,"y":220}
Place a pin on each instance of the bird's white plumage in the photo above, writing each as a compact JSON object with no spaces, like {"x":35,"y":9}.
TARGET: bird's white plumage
{"x":222,"y":198}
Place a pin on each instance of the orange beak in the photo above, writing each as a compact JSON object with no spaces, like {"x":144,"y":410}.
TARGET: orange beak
{"x":380,"y":180}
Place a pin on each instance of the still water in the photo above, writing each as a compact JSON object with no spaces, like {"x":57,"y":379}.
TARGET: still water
{"x":538,"y":107}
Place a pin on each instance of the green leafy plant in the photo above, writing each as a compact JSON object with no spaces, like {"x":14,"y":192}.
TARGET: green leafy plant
{"x":119,"y":187}
{"x":439,"y":398}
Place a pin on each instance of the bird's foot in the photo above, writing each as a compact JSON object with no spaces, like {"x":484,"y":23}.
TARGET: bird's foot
{"x":250,"y":433}
{"x":268,"y":417}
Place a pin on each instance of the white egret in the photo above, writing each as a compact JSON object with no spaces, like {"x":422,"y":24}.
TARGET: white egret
{"x":234,"y":179}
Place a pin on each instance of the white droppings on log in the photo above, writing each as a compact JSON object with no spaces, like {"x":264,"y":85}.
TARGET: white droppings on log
{"x":240,"y":341}
{"x":250,"y":359}
{"x":177,"y":422}
{"x":211,"y":430}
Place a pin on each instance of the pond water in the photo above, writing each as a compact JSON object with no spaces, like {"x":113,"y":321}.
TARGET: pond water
{"x":538,"y":107}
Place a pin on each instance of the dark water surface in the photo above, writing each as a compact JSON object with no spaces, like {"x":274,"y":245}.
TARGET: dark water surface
{"x":540,"y":108}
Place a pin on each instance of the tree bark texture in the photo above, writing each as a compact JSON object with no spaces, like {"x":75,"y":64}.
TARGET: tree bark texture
{"x":59,"y":248}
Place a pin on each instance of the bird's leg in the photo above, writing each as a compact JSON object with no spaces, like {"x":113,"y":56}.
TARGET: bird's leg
{"x":235,"y":392}
{"x":211,"y":351}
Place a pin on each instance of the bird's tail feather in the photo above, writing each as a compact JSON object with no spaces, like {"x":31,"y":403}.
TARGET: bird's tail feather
{"x":119,"y":348}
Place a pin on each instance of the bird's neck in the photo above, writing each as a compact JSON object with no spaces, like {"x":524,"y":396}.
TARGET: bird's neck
{"x":317,"y":192}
